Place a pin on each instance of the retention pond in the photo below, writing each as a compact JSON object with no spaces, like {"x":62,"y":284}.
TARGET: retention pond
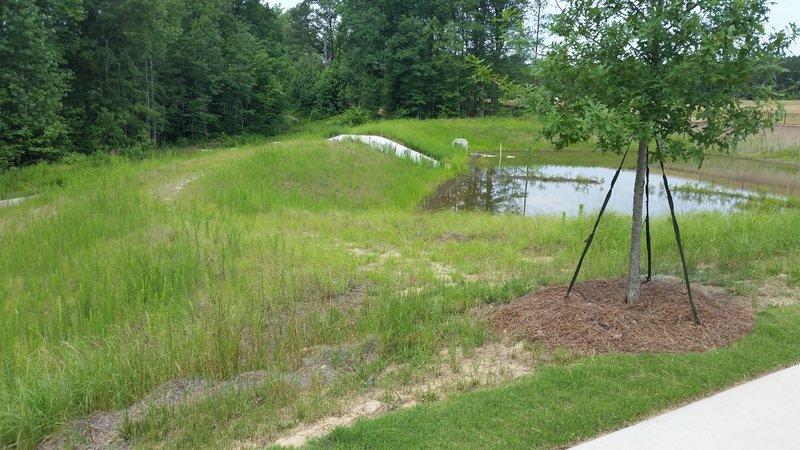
{"x":572,"y":191}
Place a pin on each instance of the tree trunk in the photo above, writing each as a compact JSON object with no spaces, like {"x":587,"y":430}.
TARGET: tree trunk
{"x":634,"y":280}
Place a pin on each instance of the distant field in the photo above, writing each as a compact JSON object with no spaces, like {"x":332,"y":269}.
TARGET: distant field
{"x":791,"y":114}
{"x":792,"y":106}
{"x":780,"y":143}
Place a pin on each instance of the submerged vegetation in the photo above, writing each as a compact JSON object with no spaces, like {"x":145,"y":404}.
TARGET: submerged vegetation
{"x":563,"y":179}
{"x":741,"y":200}
{"x":121,"y":275}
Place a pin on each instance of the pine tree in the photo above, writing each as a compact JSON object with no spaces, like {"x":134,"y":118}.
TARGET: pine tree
{"x":32,"y":84}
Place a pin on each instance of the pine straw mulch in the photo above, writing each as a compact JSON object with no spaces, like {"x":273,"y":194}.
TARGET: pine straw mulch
{"x":596,"y":318}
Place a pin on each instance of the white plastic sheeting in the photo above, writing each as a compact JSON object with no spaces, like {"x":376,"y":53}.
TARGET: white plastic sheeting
{"x":14,"y":201}
{"x":388,"y":146}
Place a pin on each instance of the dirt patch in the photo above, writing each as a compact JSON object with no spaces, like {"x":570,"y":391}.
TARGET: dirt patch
{"x":380,"y":256}
{"x":483,"y":366}
{"x":359,"y":409}
{"x":456,"y":371}
{"x":777,"y":292}
{"x":170,"y":191}
{"x":442,"y":271}
{"x":538,"y":259}
{"x":595,"y":319}
{"x":353,"y":297}
{"x":325,"y":363}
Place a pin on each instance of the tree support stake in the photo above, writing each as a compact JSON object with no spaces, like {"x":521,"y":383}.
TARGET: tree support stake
{"x":647,"y":221}
{"x":596,"y":223}
{"x":677,"y":232}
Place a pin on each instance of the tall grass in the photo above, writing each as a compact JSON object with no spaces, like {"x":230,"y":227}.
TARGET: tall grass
{"x":310,"y":175}
{"x":117,"y":289}
{"x":781,"y":143}
{"x":129,"y":274}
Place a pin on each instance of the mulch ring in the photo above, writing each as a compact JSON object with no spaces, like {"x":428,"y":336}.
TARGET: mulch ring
{"x":596,"y":318}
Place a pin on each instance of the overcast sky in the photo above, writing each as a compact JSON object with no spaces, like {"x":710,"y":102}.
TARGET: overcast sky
{"x":781,"y":13}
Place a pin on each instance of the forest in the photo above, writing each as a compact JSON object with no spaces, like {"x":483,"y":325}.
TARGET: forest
{"x":127,"y":76}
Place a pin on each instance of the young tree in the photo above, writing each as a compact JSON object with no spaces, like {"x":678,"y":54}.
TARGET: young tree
{"x":674,"y":71}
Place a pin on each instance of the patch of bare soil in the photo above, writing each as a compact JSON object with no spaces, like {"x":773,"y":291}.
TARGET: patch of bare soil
{"x":363,"y":407}
{"x":776,"y":291}
{"x":353,"y":297}
{"x":484,"y":366}
{"x":380,"y":256}
{"x":596,"y":319}
{"x":170,"y":191}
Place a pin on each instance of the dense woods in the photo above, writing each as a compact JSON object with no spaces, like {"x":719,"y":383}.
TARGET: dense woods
{"x":82,"y":76}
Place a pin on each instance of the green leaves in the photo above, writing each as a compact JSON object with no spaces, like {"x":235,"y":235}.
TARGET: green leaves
{"x":675,"y":68}
{"x":32,"y":85}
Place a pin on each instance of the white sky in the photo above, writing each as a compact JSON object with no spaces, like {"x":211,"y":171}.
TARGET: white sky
{"x":782,"y":13}
{"x":285,"y":3}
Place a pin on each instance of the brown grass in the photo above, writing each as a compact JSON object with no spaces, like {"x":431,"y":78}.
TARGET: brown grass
{"x":778,"y":138}
{"x":791,"y":109}
{"x":746,"y":170}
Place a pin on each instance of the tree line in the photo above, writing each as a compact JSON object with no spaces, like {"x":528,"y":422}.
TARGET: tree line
{"x":85,"y":76}
{"x":787,"y":82}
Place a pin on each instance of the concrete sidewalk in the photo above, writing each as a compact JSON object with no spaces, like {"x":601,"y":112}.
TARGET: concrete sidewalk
{"x":760,"y":414}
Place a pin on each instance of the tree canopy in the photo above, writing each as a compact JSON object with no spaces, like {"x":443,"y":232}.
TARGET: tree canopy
{"x":128,"y":75}
{"x":678,"y":69}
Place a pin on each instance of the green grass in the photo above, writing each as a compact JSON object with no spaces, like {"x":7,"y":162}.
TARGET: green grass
{"x":125,"y":275}
{"x":561,"y":404}
{"x":434,"y":137}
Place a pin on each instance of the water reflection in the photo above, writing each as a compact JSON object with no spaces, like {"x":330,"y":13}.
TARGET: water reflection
{"x":556,"y":190}
{"x":491,"y":190}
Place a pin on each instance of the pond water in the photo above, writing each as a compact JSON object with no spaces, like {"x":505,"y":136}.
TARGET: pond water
{"x":557,"y":190}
